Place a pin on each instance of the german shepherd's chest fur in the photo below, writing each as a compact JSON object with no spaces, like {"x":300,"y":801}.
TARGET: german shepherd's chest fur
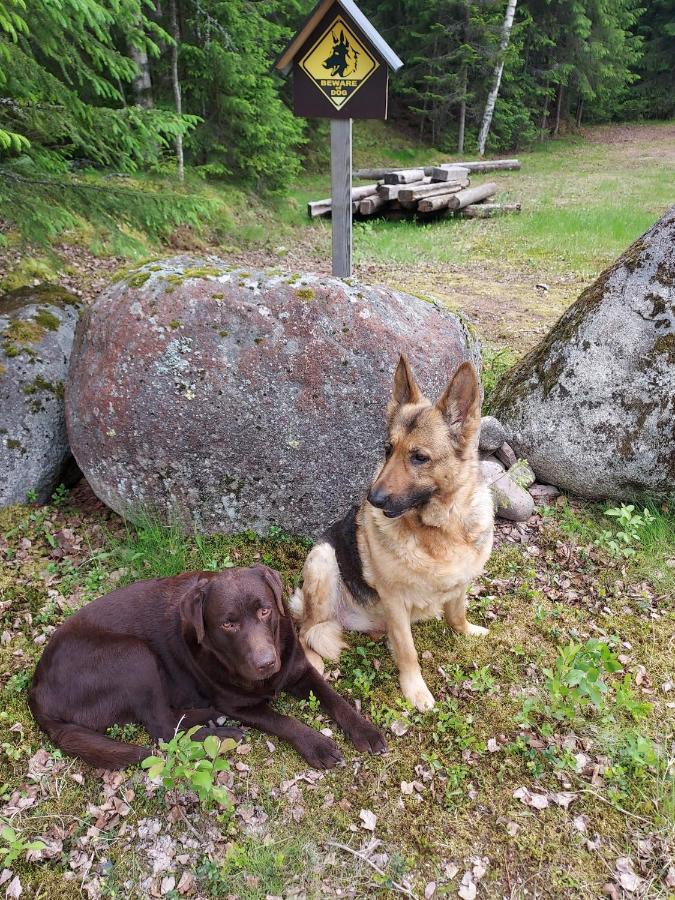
{"x":422,"y":566}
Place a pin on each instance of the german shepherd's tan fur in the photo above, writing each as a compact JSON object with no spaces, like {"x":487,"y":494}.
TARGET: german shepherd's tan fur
{"x":421,"y":537}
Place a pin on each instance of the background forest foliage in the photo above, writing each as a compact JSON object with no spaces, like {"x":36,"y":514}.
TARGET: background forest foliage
{"x":129,"y":86}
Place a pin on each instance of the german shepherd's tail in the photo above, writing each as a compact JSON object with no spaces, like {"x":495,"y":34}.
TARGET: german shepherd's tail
{"x":94,"y":748}
{"x":324,"y":638}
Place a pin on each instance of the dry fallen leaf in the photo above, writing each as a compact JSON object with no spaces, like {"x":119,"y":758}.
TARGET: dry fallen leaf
{"x":467,"y":889}
{"x":399,"y":727}
{"x":14,"y":889}
{"x":626,"y":876}
{"x":368,"y":819}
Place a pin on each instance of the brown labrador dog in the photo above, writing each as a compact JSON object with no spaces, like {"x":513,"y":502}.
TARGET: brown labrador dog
{"x":184,"y":650}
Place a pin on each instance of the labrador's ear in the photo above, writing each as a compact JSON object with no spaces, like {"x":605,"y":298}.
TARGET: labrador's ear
{"x":273,"y":579}
{"x":192,"y":607}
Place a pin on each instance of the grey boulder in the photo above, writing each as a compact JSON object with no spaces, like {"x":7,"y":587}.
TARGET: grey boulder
{"x":37,"y":325}
{"x":592,"y":408}
{"x":226,"y":399}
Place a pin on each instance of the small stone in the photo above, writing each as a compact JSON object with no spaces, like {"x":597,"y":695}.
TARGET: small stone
{"x":522,"y":474}
{"x":492,"y":434}
{"x":543,"y":494}
{"x":511,"y":501}
{"x":506,"y":455}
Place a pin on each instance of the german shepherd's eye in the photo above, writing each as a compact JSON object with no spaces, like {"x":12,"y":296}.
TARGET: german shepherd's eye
{"x":418,"y":458}
{"x":388,"y":449}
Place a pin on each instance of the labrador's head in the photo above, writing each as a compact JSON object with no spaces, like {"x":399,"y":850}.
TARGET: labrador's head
{"x":236,"y":614}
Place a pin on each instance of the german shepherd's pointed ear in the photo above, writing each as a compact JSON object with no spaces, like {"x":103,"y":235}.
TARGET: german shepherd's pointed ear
{"x":460,"y":403}
{"x":405,"y":386}
{"x":273,"y":580}
{"x":192,"y":607}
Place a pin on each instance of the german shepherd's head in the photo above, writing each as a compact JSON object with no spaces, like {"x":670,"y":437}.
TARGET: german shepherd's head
{"x":429,"y":445}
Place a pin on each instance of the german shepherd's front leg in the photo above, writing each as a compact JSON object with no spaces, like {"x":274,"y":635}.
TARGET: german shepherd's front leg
{"x":403,"y":649}
{"x":455,"y":615}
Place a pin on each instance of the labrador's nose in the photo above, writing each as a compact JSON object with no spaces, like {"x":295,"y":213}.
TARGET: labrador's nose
{"x":266,"y":661}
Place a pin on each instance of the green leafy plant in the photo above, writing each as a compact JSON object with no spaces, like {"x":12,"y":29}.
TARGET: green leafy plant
{"x":14,"y":845}
{"x":630,"y":525}
{"x":18,"y":683}
{"x":576,"y":679}
{"x":194,"y":764}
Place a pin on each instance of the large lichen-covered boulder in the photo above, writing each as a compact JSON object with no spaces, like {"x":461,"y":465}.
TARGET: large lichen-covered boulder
{"x":227,"y":399}
{"x":37,"y":326}
{"x":592,"y":408}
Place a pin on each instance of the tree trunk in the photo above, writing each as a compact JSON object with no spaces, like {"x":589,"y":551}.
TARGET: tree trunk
{"x":176,"y":86}
{"x":558,"y":106}
{"x":142,"y":83}
{"x":499,"y":68}
{"x":580,"y":111}
{"x":464,"y":83}
{"x":544,"y":115}
{"x":462,"y":114}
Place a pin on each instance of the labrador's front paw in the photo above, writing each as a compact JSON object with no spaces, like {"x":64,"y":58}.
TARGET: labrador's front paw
{"x":365,"y":737}
{"x":319,"y":751}
{"x":415,"y":690}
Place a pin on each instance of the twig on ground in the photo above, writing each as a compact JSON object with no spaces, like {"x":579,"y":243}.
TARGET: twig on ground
{"x":614,"y":806}
{"x":394,"y":884}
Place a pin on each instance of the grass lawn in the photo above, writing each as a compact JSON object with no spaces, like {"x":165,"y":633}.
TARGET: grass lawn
{"x":546,"y":768}
{"x":584,"y":201}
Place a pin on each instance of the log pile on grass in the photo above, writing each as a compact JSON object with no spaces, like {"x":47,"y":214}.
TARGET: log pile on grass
{"x":428,"y":192}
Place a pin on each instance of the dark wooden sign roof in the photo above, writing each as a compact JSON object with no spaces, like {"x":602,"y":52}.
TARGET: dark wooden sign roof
{"x":284,"y":62}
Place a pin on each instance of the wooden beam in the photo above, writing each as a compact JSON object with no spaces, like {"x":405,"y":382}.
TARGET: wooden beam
{"x":391,"y":191}
{"x":451,"y":173}
{"x":477,"y":165}
{"x":341,"y":193}
{"x":323,"y":207}
{"x":485,"y":165}
{"x":429,"y":190}
{"x":457,"y":200}
{"x":371,"y":204}
{"x":403,"y":176}
{"x":488,"y":210}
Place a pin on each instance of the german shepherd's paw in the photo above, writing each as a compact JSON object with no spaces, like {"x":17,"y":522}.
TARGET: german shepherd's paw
{"x":416,"y":692}
{"x":476,"y":630}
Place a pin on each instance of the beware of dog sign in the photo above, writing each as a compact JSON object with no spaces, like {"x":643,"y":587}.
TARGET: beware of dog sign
{"x":340,"y":66}
{"x":338,"y":63}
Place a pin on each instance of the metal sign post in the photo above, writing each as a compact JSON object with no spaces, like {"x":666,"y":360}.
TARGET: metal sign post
{"x":340,"y":67}
{"x":341,"y":193}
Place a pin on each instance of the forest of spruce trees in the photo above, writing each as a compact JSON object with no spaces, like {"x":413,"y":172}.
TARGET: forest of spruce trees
{"x":131,"y":85}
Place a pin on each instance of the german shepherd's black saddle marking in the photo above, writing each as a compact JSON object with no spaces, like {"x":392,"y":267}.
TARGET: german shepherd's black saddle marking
{"x":342,"y":538}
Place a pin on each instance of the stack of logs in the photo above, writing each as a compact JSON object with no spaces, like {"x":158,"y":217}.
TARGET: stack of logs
{"x":432,"y":190}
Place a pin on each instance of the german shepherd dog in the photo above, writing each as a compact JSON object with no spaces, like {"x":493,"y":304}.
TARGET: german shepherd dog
{"x":412,"y":547}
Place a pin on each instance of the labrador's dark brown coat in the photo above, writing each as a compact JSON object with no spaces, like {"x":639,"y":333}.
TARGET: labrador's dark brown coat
{"x":188,"y":650}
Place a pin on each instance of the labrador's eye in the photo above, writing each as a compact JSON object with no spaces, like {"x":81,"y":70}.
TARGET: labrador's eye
{"x":229,"y":626}
{"x":264,"y":612}
{"x":418,"y":458}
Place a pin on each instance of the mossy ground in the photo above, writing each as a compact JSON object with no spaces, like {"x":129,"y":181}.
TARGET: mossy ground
{"x":443,"y":794}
